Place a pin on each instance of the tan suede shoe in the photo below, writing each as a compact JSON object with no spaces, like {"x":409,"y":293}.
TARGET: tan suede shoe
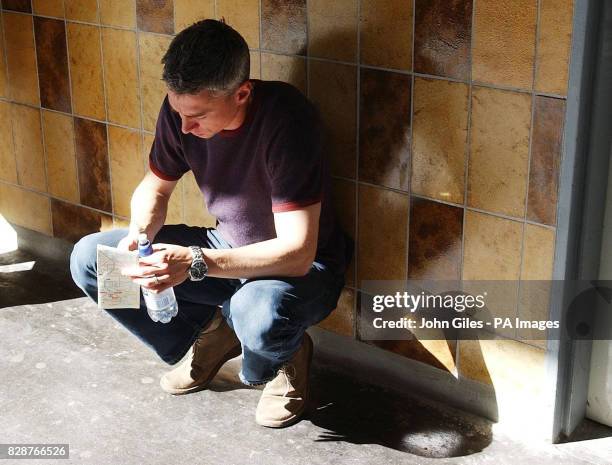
{"x":215,"y":345}
{"x":283,"y":400}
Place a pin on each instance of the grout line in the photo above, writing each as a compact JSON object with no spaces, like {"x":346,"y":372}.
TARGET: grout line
{"x":356,"y":308}
{"x":108,"y":157}
{"x":40,"y":120}
{"x":306,"y":52}
{"x":76,"y":165}
{"x":411,"y":153}
{"x":9,"y":101}
{"x":261,"y":39}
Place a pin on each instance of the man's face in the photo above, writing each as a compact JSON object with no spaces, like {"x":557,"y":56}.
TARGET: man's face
{"x":204,"y":115}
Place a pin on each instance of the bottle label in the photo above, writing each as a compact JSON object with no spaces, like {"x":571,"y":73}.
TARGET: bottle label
{"x":158,"y":301}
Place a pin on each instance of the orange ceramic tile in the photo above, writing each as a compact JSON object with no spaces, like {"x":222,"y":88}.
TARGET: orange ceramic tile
{"x":284,"y":68}
{"x":242,"y":15}
{"x":8,"y":165}
{"x":25,"y":208}
{"x":554,"y":44}
{"x":29,"y":153}
{"x":195,"y":210}
{"x":4,"y":84}
{"x":332,"y":29}
{"x":48,"y":8}
{"x":58,"y":131}
{"x":126,"y":167}
{"x":386,"y":34}
{"x":255,"y":66}
{"x":187,"y":12}
{"x":504,"y":42}
{"x":342,"y":319}
{"x":87,"y":221}
{"x":121,"y":77}
{"x":439,"y":141}
{"x":120,"y":222}
{"x":21,"y":58}
{"x":82,"y":10}
{"x":346,"y":210}
{"x":439,"y":354}
{"x":497,"y":173}
{"x":86,"y":70}
{"x":155,"y":16}
{"x":118,"y":13}
{"x":153,"y":89}
{"x":382,"y":213}
{"x":331,"y":83}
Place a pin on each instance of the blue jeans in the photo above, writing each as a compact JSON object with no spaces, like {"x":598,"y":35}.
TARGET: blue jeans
{"x":269,"y":315}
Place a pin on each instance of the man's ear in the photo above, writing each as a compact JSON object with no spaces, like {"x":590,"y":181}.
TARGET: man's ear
{"x":243,"y":92}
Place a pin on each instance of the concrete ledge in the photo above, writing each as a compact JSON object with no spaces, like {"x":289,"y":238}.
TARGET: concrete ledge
{"x":41,"y":245}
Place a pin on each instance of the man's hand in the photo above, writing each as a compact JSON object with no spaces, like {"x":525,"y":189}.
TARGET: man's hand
{"x":166,"y":267}
{"x":128,"y":243}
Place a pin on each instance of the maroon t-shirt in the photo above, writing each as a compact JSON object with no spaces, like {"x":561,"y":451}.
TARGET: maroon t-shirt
{"x":272,"y":163}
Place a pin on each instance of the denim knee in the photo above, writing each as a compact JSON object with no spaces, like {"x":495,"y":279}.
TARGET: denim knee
{"x":83,"y":260}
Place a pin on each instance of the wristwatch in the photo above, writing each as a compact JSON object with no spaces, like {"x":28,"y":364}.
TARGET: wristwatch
{"x":198,"y":268}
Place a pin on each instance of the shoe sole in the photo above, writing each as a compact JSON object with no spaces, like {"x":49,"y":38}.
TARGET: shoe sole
{"x":203,"y":385}
{"x":298,"y":416}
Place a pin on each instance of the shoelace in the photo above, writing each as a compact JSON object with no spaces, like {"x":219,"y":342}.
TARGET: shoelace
{"x":288,"y":371}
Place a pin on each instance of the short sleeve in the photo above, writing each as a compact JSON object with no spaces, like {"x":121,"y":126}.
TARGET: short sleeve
{"x":295,"y":163}
{"x":166,"y":158}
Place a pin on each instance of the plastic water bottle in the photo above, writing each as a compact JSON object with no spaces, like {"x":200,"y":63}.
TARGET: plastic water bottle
{"x":162,"y":306}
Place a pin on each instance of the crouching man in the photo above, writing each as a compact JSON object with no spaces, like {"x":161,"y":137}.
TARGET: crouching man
{"x":273,"y":265}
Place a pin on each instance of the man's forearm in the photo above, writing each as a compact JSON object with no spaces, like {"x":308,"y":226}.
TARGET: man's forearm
{"x":272,"y":257}
{"x":148,"y":211}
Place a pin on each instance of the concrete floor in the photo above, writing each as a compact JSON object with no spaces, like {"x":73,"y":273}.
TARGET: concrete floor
{"x":71,"y":374}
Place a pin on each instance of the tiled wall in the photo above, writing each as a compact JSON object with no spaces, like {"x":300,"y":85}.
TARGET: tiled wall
{"x":445,"y":122}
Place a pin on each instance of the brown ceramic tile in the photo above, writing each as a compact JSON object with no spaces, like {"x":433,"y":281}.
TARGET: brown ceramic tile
{"x":17,"y":5}
{"x":255,"y":65}
{"x":439,"y":139}
{"x":4,"y":84}
{"x":492,"y":251}
{"x":434,"y":250}
{"x":8,"y":165}
{"x":153,"y":90}
{"x":382,"y":214}
{"x":332,"y":29}
{"x":72,"y":222}
{"x":52,"y":64}
{"x":497,"y":362}
{"x":331,"y":83}
{"x":121,"y":77}
{"x":29,"y":152}
{"x":242,"y":15}
{"x":92,"y":164}
{"x":187,"y":12}
{"x":283,"y":24}
{"x":554,"y":44}
{"x":284,"y":68}
{"x":195,"y":210}
{"x":21,"y":58}
{"x":118,"y":13}
{"x":492,"y":247}
{"x":155,"y":16}
{"x":536,"y":276}
{"x":58,"y":133}
{"x":443,"y":34}
{"x":25,"y":208}
{"x":504,"y":42}
{"x":86,"y":71}
{"x":384,"y":128}
{"x":341,"y":320}
{"x":344,"y":202}
{"x":497,"y":173}
{"x":386,"y":33}
{"x":82,"y":10}
{"x":49,"y":8}
{"x":545,"y":159}
{"x":126,"y":167}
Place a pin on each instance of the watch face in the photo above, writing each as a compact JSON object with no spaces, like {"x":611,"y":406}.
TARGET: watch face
{"x":197,"y":271}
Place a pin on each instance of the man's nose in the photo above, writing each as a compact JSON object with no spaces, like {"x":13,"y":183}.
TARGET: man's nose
{"x":186,"y":125}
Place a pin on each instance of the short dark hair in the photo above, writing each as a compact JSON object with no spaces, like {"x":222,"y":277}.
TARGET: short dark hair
{"x":208,"y":55}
